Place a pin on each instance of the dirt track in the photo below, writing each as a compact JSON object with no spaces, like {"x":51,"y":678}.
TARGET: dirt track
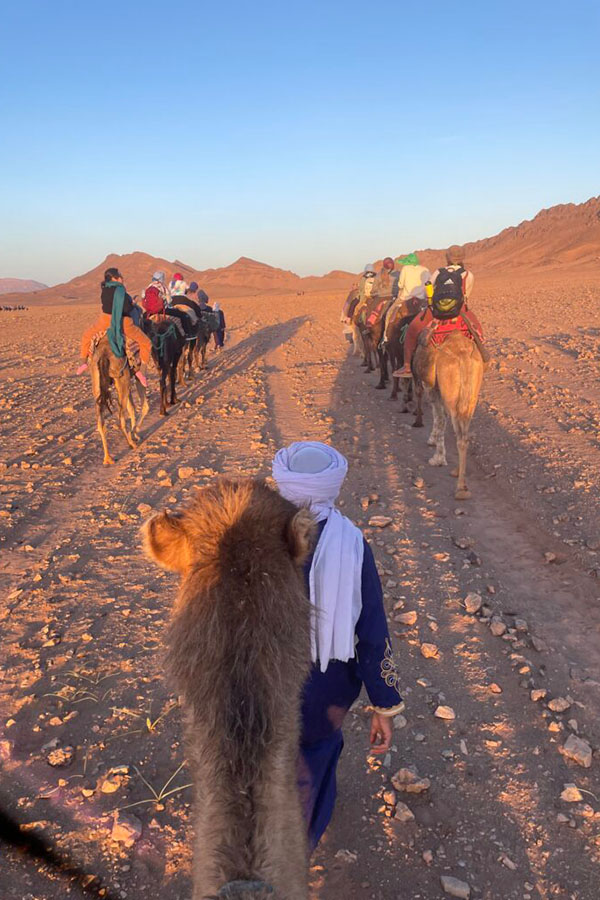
{"x":85,"y":610}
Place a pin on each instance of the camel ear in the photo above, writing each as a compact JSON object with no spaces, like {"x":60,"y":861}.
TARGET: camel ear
{"x":166,"y":542}
{"x":301,"y":532}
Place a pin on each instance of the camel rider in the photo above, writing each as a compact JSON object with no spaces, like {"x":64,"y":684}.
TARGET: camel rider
{"x":386,"y":283}
{"x":411,"y":288}
{"x":453,"y":273}
{"x":189,"y":299}
{"x":366,"y":283}
{"x":116,"y":320}
{"x":177,"y":285}
{"x":156,"y":301}
{"x":350,"y":639}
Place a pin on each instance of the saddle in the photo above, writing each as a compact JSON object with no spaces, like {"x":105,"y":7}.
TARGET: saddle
{"x":440,"y":329}
{"x":132,"y":350}
{"x":158,"y":318}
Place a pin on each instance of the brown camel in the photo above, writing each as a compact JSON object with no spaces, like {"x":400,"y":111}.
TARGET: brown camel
{"x":451,"y":373}
{"x":239,"y":654}
{"x":107,"y":369}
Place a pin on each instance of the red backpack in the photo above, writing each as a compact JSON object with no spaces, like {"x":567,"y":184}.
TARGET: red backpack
{"x":153,"y":301}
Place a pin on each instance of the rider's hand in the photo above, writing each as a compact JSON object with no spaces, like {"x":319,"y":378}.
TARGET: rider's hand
{"x":382,"y":731}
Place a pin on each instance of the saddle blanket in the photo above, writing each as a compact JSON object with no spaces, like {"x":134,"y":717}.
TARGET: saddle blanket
{"x":440,"y":329}
{"x":132,"y":350}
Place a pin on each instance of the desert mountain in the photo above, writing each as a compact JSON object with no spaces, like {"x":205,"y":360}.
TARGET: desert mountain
{"x":20,"y":286}
{"x":560,"y":237}
{"x":244,"y":277}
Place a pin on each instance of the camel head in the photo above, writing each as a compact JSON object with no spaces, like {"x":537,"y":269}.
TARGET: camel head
{"x":234,"y":526}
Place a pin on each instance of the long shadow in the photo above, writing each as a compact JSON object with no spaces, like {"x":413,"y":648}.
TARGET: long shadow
{"x":371,"y":435}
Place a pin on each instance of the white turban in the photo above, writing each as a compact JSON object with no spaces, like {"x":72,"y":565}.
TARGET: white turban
{"x":311,"y":474}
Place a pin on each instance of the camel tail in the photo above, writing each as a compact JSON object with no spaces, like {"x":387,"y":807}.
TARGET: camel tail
{"x":103,"y":399}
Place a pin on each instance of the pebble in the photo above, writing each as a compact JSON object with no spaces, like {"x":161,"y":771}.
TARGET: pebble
{"x":407,"y":618}
{"x":473,"y":603}
{"x":62,"y":756}
{"x":497,"y":626}
{"x":127,"y":829}
{"x":400,"y":722}
{"x":403,"y":814}
{"x":495,"y":688}
{"x":380,"y":521}
{"x":429,"y":651}
{"x":571,"y":794}
{"x":455,"y":887}
{"x":559,"y":704}
{"x":538,"y":694}
{"x":445,"y":712}
{"x":409,"y":781}
{"x":578,"y":750}
{"x":347,"y":856}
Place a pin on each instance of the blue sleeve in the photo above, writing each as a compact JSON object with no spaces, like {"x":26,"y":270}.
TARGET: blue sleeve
{"x":376,"y":664}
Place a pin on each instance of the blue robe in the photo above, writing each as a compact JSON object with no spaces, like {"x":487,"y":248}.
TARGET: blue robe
{"x":329,"y":695}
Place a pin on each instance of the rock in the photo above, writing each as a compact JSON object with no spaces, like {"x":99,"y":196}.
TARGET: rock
{"x":409,"y":781}
{"x":559,"y":704}
{"x":445,"y":712}
{"x":429,"y":651}
{"x":550,"y":557}
{"x":403,"y":814}
{"x":144,"y":509}
{"x":399,"y":722}
{"x":497,"y":626}
{"x":578,"y":750}
{"x":427,"y":856}
{"x":380,"y":521}
{"x":538,"y":644}
{"x":5,"y":750}
{"x":521,"y":625}
{"x":473,"y":603}
{"x":407,"y":618}
{"x":347,"y":856}
{"x":495,"y":688}
{"x":506,"y":861}
{"x":538,"y":694}
{"x":455,"y":887}
{"x":62,"y":756}
{"x":127,"y":829}
{"x":571,"y":794}
{"x":185,"y":472}
{"x":389,"y":797}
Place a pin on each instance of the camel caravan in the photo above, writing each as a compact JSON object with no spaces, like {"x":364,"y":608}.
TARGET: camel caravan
{"x":421,"y":324}
{"x":170,"y":326}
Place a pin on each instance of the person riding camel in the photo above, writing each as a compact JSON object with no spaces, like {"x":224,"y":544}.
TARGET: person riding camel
{"x":156,"y":300}
{"x":189,"y":299}
{"x":177,"y":286}
{"x":386,"y":283}
{"x":116,"y":319}
{"x":411,"y":289}
{"x":452,"y":284}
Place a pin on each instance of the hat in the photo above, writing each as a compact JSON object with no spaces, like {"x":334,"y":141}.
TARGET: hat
{"x":388,"y":263}
{"x":193,"y":287}
{"x":159,"y":276}
{"x":177,"y":276}
{"x":369,"y":268}
{"x":411,"y":259}
{"x":111,"y":273}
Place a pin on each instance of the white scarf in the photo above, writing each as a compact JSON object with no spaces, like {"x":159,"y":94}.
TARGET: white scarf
{"x":336,"y":570}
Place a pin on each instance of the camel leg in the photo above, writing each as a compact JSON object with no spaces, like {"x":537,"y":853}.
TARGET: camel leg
{"x":100,"y":412}
{"x":123,"y":385}
{"x":383,"y":369}
{"x":461,"y":430}
{"x":101,"y":425}
{"x":418,"y":389}
{"x":143,"y":397}
{"x":438,"y":431}
{"x":355,"y":341}
{"x":394,"y":394}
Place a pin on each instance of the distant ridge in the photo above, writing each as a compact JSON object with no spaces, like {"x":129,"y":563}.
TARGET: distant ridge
{"x":561,"y":237}
{"x":20,"y":285}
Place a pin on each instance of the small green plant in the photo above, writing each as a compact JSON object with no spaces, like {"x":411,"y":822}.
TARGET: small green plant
{"x":157,"y":797}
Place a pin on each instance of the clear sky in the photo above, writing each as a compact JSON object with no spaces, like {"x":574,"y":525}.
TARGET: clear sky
{"x":309,"y":135}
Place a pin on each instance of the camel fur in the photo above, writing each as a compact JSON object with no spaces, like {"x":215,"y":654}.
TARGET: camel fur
{"x":239,"y":655}
{"x":106,"y":369}
{"x":451,"y":374}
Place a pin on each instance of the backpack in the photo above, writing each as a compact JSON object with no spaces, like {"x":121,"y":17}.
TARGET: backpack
{"x":448,"y":293}
{"x":211,"y":319}
{"x":153,"y":301}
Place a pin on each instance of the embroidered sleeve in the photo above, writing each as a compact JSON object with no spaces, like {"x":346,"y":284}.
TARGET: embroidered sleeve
{"x":389,"y":671}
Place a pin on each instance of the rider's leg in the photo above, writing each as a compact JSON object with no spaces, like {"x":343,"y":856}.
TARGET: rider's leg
{"x":410,"y":342}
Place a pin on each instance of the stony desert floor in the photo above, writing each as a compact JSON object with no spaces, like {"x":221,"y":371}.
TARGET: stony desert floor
{"x":90,"y":741}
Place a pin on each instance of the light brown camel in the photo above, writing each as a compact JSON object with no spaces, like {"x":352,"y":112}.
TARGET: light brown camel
{"x":451,"y":374}
{"x":107,"y":369}
{"x":239,"y":654}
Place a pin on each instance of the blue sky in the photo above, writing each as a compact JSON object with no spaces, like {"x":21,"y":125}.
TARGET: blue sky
{"x":308,"y":135}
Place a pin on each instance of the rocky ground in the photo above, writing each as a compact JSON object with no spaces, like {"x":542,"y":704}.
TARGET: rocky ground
{"x":494,"y":605}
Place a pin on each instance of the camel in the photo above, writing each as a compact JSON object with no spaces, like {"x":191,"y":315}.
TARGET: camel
{"x":167,"y":347}
{"x":239,"y":654}
{"x":451,"y":374}
{"x":107,"y":369}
